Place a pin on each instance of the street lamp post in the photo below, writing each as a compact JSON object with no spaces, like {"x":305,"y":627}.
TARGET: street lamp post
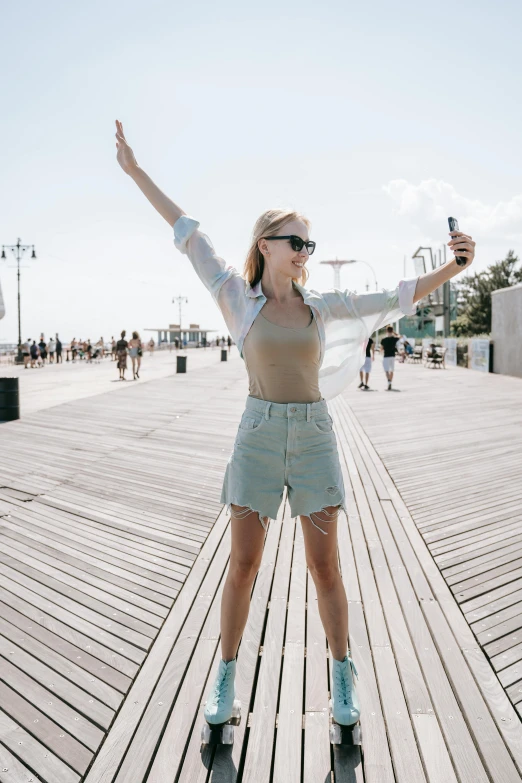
{"x":18,"y":251}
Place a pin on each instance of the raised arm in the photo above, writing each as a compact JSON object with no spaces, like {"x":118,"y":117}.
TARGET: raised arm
{"x":125,"y":157}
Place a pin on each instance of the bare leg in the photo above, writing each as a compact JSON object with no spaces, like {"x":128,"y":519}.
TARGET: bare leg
{"x":322,"y":561}
{"x":246,"y":552}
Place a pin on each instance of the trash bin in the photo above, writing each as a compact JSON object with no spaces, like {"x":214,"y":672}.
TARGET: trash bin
{"x":9,"y":399}
{"x":181,"y":364}
{"x":223,"y":355}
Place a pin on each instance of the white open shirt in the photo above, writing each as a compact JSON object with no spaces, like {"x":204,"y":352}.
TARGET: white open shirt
{"x":344,"y":320}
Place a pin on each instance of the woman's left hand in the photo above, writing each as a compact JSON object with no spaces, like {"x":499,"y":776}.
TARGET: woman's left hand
{"x":462,"y":245}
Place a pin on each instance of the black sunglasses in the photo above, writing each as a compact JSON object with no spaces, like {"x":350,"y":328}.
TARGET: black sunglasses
{"x":297,"y":243}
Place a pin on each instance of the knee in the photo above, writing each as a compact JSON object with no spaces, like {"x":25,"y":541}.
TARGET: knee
{"x":243,"y":572}
{"x":324,"y":573}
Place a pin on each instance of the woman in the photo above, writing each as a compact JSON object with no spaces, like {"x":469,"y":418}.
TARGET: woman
{"x":121,"y":353}
{"x":301,"y":347}
{"x":136,"y":352}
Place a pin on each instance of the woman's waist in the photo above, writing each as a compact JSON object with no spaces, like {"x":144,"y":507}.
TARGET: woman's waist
{"x":285,"y":409}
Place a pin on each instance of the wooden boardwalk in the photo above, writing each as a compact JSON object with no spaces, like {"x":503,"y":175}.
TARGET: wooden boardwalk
{"x":113,"y":554}
{"x":455,"y":455}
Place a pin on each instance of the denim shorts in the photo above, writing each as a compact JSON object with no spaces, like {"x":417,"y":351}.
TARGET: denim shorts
{"x":285,"y":444}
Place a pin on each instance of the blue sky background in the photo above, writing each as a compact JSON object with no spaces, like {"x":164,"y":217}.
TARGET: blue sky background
{"x":377,"y":120}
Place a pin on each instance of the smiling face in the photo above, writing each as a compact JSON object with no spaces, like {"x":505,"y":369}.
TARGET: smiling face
{"x":279,"y":255}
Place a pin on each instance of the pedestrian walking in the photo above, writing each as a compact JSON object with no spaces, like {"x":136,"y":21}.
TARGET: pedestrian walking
{"x":51,"y":348}
{"x":121,"y":352}
{"x":113,"y":349}
{"x":59,"y":347}
{"x":389,"y":346}
{"x":136,"y":352}
{"x":367,"y":366}
{"x":35,"y":354}
{"x":301,"y":348}
{"x":229,"y":342}
{"x":100,"y":347}
{"x":42,"y":346}
{"x":151,"y":346}
{"x":26,"y":352}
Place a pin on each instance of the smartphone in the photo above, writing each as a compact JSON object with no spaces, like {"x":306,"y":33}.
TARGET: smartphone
{"x":454,"y":226}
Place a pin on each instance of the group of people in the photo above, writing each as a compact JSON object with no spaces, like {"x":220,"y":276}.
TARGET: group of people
{"x":37,"y":354}
{"x":392,"y":345}
{"x":133,"y":348}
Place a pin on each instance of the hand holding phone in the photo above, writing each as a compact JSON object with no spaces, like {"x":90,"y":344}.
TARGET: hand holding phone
{"x":454,"y":226}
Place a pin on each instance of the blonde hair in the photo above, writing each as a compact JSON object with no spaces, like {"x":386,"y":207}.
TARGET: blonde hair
{"x":269,"y":224}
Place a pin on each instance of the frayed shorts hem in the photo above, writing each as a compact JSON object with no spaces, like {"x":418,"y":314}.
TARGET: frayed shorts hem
{"x":247,"y":509}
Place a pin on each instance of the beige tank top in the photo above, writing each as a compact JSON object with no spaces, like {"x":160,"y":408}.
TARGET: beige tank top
{"x":282,"y":362}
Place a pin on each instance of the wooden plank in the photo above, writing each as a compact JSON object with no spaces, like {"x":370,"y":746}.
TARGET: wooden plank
{"x":504,"y":718}
{"x":289,"y":735}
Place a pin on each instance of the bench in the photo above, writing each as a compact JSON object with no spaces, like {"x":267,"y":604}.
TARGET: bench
{"x":437,"y":360}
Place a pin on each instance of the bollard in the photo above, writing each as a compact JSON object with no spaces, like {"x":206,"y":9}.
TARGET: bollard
{"x":181,"y":364}
{"x":223,"y":355}
{"x":9,"y":399}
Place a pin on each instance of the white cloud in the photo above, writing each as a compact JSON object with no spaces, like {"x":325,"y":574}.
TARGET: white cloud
{"x":432,"y":201}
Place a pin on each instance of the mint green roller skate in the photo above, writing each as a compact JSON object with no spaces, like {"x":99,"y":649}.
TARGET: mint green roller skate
{"x":344,"y":704}
{"x":222,"y":711}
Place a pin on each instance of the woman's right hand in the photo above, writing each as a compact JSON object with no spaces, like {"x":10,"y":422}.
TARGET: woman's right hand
{"x":125,"y":155}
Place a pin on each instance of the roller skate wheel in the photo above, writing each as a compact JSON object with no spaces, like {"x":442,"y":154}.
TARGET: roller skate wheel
{"x":227,"y":735}
{"x":235,"y":719}
{"x":205,"y":734}
{"x":357,"y":735}
{"x":335,"y":734}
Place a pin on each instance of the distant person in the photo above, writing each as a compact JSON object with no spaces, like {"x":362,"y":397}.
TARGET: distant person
{"x":88,"y":349}
{"x":59,"y":348}
{"x":113,"y":349}
{"x":389,"y":346}
{"x":26,"y":352}
{"x":121,"y":352}
{"x":43,"y":349}
{"x":51,"y":347}
{"x":433,"y":352}
{"x":100,"y":345}
{"x":407,"y":347}
{"x":151,"y":346}
{"x":136,"y":352}
{"x":74,"y":349}
{"x":229,"y":341}
{"x":367,"y":366}
{"x":35,"y":353}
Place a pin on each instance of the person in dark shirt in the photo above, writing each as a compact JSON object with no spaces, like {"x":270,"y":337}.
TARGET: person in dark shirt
{"x":58,"y":349}
{"x":389,"y":346}
{"x":121,"y":352}
{"x":367,"y":366}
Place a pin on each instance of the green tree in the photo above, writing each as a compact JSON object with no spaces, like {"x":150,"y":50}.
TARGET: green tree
{"x":474,"y":295}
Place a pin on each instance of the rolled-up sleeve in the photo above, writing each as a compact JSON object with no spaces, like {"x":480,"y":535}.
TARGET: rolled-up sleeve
{"x":406,"y":295}
{"x":184,"y":227}
{"x":210,"y":268}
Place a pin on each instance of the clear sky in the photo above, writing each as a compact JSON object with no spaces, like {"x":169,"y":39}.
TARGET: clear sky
{"x":375,"y":119}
